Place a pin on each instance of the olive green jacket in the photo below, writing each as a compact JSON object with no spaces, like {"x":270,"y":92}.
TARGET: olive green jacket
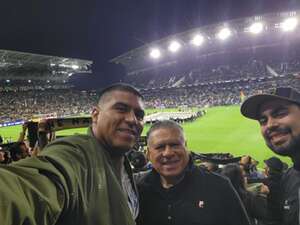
{"x":72,"y":182}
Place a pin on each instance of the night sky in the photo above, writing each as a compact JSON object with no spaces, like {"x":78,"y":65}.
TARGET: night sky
{"x":101,"y":30}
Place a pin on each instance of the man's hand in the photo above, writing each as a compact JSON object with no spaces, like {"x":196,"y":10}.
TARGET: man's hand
{"x":264,"y":189}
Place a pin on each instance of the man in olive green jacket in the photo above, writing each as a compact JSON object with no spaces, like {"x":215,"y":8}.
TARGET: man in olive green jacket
{"x":82,"y":179}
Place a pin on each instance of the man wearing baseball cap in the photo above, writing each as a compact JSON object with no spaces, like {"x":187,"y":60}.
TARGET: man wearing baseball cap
{"x":279,"y":117}
{"x":273,"y":164}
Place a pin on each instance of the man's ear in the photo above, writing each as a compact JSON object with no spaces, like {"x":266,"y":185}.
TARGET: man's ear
{"x":95,"y":113}
{"x":148,"y":154}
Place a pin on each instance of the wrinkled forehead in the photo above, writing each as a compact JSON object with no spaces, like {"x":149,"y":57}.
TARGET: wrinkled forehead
{"x":272,"y":105}
{"x":166,"y":134}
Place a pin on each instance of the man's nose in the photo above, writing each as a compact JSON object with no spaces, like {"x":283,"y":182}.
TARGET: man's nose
{"x":168,"y":151}
{"x":271,"y":123}
{"x":131,"y":117}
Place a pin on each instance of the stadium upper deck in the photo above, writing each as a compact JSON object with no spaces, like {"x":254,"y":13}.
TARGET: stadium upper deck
{"x":257,"y":32}
{"x":27,"y":67}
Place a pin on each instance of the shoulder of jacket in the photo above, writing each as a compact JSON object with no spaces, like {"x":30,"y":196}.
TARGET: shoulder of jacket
{"x":73,"y":139}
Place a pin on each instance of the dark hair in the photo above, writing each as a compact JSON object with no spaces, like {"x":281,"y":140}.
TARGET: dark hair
{"x":163,"y":124}
{"x":15,"y":150}
{"x":119,"y":87}
{"x":234,"y":173}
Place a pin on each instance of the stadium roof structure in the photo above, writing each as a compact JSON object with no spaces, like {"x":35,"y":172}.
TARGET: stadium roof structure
{"x":21,"y":66}
{"x":257,"y":32}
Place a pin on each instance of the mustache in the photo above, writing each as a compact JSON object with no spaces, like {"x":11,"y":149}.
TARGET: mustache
{"x":277,"y":130}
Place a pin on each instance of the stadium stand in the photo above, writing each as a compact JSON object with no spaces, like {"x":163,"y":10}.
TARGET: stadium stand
{"x":32,"y":85}
{"x":209,"y":86}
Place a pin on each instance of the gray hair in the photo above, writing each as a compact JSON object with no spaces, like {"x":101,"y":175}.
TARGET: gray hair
{"x":163,"y":124}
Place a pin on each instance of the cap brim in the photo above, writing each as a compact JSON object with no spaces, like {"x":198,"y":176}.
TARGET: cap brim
{"x":251,"y":106}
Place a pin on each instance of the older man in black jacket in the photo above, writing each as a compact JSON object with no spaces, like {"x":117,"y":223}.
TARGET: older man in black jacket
{"x":179,"y":193}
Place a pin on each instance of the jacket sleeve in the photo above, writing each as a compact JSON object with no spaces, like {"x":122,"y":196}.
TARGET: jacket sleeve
{"x":27,"y":196}
{"x":37,"y":190}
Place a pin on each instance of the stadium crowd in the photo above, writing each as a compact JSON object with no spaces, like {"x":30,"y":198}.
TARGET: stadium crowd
{"x":207,"y":70}
{"x":210,"y":84}
{"x":36,"y":103}
{"x":65,"y":102}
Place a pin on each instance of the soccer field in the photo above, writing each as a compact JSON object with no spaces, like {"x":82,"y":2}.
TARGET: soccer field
{"x":222,"y":129}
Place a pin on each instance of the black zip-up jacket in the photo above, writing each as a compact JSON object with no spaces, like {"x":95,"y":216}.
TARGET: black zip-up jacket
{"x":201,"y":198}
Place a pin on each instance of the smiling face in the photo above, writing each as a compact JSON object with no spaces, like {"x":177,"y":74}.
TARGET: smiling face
{"x":167,"y":151}
{"x":280,"y":126}
{"x":118,"y":120}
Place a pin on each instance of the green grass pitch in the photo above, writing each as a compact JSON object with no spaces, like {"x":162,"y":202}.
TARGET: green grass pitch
{"x":222,"y":129}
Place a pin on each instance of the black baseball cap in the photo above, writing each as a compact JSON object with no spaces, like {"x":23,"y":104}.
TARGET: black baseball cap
{"x":274,"y":163}
{"x":251,"y":105}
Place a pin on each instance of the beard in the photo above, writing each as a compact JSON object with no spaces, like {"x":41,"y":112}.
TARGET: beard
{"x":288,"y":148}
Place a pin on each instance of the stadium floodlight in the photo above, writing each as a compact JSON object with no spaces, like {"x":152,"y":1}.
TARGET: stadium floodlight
{"x":7,"y":81}
{"x":29,"y":81}
{"x":256,"y":28}
{"x":197,"y":40}
{"x":155,"y":53}
{"x":224,"y":33}
{"x":75,"y":67}
{"x":174,"y":46}
{"x":289,"y":24}
{"x":48,"y":81}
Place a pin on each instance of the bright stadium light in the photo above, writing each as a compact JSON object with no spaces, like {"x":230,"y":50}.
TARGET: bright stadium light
{"x":155,"y":53}
{"x":256,"y":28}
{"x":75,"y":67}
{"x":197,"y":40}
{"x":289,"y":24}
{"x":48,"y":81}
{"x":224,"y":33}
{"x":29,"y":81}
{"x":174,"y":46}
{"x":7,"y":81}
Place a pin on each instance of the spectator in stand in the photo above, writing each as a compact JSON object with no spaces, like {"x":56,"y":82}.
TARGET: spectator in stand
{"x":18,"y":151}
{"x":255,"y":204}
{"x":278,"y":115}
{"x":81,"y":179}
{"x":22,"y":134}
{"x":2,"y":156}
{"x":178,"y":192}
{"x":273,"y":175}
{"x":250,"y":167}
{"x":273,"y":165}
